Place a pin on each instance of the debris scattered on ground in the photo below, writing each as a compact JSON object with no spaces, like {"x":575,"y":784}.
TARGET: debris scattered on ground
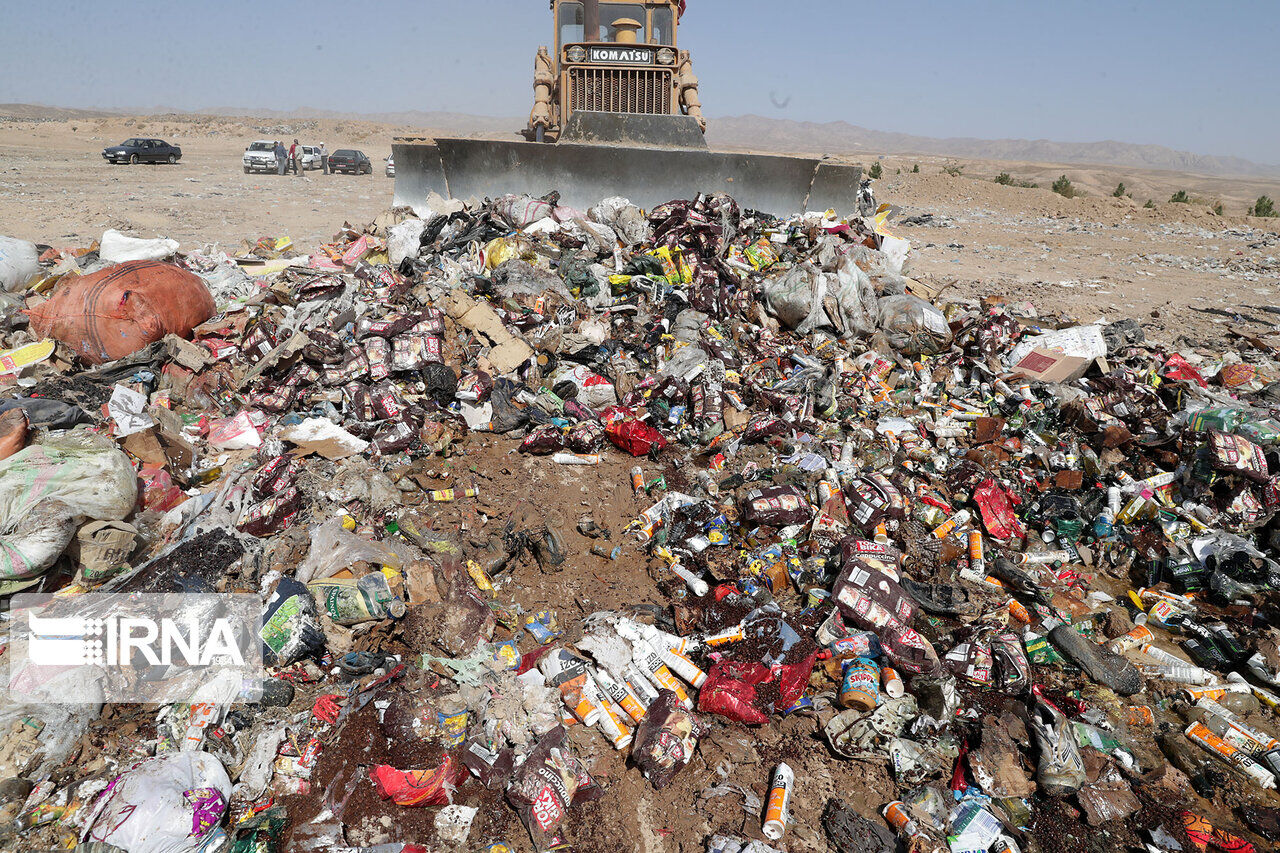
{"x":722,"y":517}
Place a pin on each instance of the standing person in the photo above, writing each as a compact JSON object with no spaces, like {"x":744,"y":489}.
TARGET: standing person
{"x":295,"y":154}
{"x":324,"y":158}
{"x":280,"y":157}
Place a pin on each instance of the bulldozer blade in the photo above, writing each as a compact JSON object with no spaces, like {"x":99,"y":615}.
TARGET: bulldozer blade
{"x":648,"y":176}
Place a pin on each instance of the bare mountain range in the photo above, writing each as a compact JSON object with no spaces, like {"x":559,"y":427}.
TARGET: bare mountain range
{"x":760,"y":134}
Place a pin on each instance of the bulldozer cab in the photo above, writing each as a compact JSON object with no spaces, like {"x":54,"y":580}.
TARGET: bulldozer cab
{"x":657,"y":22}
{"x":619,"y":58}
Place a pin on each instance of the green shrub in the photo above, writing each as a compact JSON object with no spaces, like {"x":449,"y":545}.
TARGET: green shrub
{"x":1217,"y":208}
{"x":875,"y":171}
{"x":915,"y":169}
{"x":1150,"y":204}
{"x":1264,"y":206}
{"x":953,"y":170}
{"x":1180,"y":197}
{"x":1063,"y":187}
{"x":1004,"y":178}
{"x":1119,"y":190}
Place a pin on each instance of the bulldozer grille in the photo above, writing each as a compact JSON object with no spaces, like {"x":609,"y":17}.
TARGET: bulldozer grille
{"x":620,"y":90}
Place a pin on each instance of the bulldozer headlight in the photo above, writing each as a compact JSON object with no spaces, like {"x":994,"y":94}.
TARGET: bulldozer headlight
{"x":666,"y":56}
{"x":577,"y":54}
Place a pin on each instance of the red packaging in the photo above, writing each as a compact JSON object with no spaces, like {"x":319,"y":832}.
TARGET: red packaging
{"x":395,"y":435}
{"x":272,"y":515}
{"x":996,"y":506}
{"x":1234,"y":454}
{"x":635,"y":437}
{"x":378,"y":351}
{"x":1178,"y":367}
{"x":388,"y":327}
{"x":386,"y":402}
{"x":275,"y":476}
{"x":727,"y":693}
{"x":158,"y":491}
{"x":547,"y":438}
{"x":874,"y":498}
{"x":359,"y":401}
{"x":419,"y":787}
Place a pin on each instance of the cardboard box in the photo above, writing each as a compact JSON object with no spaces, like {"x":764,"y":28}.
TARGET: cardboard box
{"x":1046,"y":365}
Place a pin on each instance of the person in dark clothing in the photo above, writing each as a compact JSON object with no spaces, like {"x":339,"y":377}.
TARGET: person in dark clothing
{"x":281,"y":157}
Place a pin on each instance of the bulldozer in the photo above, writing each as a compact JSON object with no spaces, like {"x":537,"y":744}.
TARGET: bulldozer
{"x":616,"y":112}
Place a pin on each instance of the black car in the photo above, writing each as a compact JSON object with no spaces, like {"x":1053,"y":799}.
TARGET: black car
{"x":351,"y":161}
{"x":142,"y":151}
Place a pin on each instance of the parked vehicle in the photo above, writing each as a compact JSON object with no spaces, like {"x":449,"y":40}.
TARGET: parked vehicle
{"x":391,"y":166}
{"x":139,"y":150}
{"x":260,"y":156}
{"x":351,"y":161}
{"x":310,"y":158}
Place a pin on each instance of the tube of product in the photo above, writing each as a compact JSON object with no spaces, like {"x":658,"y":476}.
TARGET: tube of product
{"x":650,"y":663}
{"x":620,"y":695}
{"x":893,"y":686}
{"x":775,"y":813}
{"x":1198,"y":733}
{"x":1139,"y":636}
{"x":640,"y":684}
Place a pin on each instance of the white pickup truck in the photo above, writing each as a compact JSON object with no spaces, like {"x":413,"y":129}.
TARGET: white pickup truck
{"x":260,"y":157}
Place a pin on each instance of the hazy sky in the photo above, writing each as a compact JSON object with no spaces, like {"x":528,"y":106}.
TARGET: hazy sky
{"x":1190,"y":75}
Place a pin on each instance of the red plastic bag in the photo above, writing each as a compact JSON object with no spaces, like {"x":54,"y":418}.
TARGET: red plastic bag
{"x":635,"y":437}
{"x":419,"y":787}
{"x":119,"y":310}
{"x":996,"y":506}
{"x":725,"y":694}
{"x":1178,"y":367}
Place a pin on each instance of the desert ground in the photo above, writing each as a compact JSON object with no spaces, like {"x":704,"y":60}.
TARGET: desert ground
{"x":1190,"y":276}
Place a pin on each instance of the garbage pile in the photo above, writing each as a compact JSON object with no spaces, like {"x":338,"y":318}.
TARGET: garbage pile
{"x":694,"y":529}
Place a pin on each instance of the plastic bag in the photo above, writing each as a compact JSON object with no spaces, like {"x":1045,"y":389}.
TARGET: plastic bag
{"x":626,"y":220}
{"x":170,"y":804}
{"x":543,"y":788}
{"x":19,"y":263}
{"x":856,"y":300}
{"x":405,"y":241}
{"x":291,"y":625}
{"x":520,"y":211}
{"x":913,"y":326}
{"x":119,"y":310}
{"x":82,"y":469}
{"x":419,"y":787}
{"x":665,"y":739}
{"x":35,"y":543}
{"x":117,"y":248}
{"x":796,"y":298}
{"x":333,"y":549}
{"x":43,"y":412}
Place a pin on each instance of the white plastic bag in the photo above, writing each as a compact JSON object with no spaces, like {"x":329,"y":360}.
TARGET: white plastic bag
{"x":594,"y":390}
{"x":796,"y":298}
{"x":173,"y":803}
{"x":333,"y":548}
{"x":19,"y":261}
{"x":405,"y":240}
{"x":116,"y":248}
{"x":85,"y":471}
